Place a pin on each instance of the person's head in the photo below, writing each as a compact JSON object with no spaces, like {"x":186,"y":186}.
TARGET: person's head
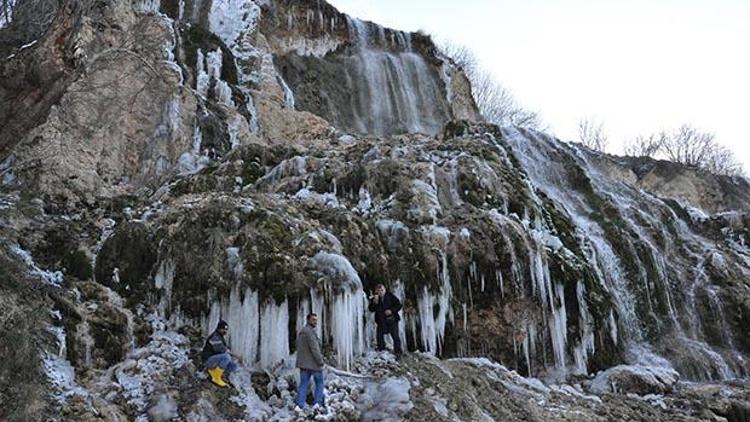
{"x":222,"y":328}
{"x":312,"y":320}
{"x":380,"y":290}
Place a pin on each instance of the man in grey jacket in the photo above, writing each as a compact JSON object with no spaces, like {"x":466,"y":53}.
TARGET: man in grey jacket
{"x":310,"y":362}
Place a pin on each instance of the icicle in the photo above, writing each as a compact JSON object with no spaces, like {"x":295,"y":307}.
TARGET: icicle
{"x":318,"y":307}
{"x":499,"y":278}
{"x":398,"y":290}
{"x":202,"y":79}
{"x":197,"y":140}
{"x":427,"y":321}
{"x":163,"y":281}
{"x":288,"y":94}
{"x":84,"y":333}
{"x":274,"y":333}
{"x":527,"y":345}
{"x":473,"y":268}
{"x":214,"y":316}
{"x":612,"y":327}
{"x":347,"y":326}
{"x":303,"y":309}
{"x":558,"y":328}
{"x":242,"y":317}
{"x":463,"y":305}
{"x":586,"y":344}
{"x":433,"y":327}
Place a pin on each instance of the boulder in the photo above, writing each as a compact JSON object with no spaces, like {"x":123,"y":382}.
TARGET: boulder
{"x":637,"y":379}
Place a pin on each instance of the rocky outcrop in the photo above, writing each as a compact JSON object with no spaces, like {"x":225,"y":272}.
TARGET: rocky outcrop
{"x":195,"y":161}
{"x":146,"y":90}
{"x":693,"y":187}
{"x":23,"y":330}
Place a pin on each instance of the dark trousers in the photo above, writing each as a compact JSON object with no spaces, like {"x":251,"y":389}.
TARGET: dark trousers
{"x":392,"y":329}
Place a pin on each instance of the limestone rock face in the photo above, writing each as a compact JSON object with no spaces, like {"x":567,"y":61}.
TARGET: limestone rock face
{"x":169,"y":164}
{"x":136,"y":92}
{"x":112,"y":116}
{"x":698,"y":188}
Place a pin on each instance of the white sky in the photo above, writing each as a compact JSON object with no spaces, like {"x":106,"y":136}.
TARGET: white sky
{"x":638,"y":66}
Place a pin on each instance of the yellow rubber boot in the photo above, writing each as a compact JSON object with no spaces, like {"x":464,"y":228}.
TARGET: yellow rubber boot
{"x":217,"y":376}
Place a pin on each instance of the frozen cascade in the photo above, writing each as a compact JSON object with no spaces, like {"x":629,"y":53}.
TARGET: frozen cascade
{"x":209,"y":68}
{"x":341,"y":281}
{"x":393,"y":89}
{"x":653,"y":277}
{"x":235,"y":22}
{"x":529,"y":152}
{"x":259,"y":332}
{"x":58,"y":369}
{"x":552,"y":296}
{"x":700,"y":360}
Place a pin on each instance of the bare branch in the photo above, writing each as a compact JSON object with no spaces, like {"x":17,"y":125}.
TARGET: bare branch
{"x":645,"y":146}
{"x":591,"y":134}
{"x":690,"y":146}
{"x":496,"y":103}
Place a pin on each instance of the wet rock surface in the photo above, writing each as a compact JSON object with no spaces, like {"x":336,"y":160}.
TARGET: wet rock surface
{"x":164,"y":176}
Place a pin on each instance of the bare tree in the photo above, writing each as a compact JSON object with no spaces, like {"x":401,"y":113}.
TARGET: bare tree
{"x":645,"y":145}
{"x":690,"y":146}
{"x":461,"y":55}
{"x":591,"y":134}
{"x":496,"y":103}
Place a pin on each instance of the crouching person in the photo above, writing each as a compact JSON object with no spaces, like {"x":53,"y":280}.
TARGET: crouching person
{"x":216,"y":357}
{"x":310,"y":363}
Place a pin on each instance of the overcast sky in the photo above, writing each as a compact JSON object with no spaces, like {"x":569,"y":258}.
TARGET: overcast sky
{"x":638,"y":66}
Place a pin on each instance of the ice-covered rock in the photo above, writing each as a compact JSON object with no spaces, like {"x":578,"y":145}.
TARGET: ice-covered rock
{"x":636,"y":379}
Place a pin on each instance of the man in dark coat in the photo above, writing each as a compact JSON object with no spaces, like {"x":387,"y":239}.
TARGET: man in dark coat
{"x":310,"y":363}
{"x":216,"y":357}
{"x":386,"y":306}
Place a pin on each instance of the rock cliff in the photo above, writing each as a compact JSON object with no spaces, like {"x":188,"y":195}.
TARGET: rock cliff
{"x":169,"y":164}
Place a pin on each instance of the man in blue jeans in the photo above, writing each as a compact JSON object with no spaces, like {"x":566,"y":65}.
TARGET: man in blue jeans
{"x":216,"y":357}
{"x":310,"y":363}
